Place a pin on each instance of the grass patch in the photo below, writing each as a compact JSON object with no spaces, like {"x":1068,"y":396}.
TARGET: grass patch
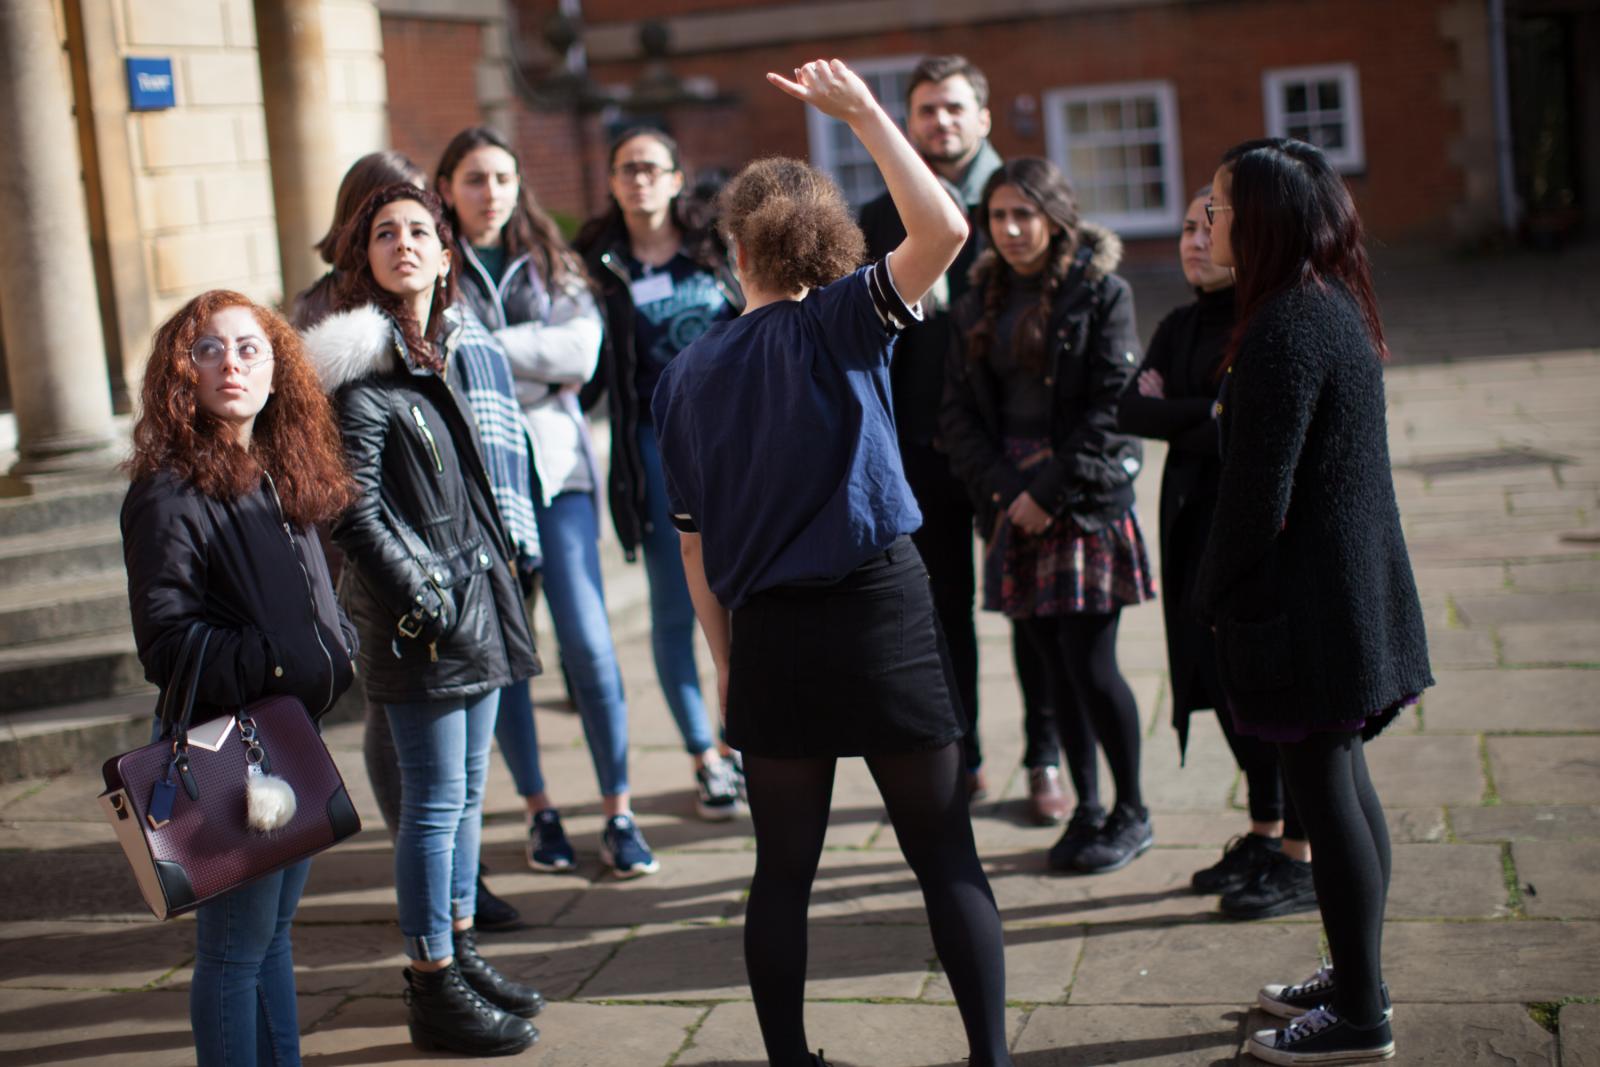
{"x":1547,"y":1013}
{"x":1508,"y":868}
{"x":1453,"y":619}
{"x":1491,"y":795}
{"x":688,"y":1037}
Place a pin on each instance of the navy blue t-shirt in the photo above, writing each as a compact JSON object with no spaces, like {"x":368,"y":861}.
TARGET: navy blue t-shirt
{"x":778,"y":441}
{"x":673,"y":305}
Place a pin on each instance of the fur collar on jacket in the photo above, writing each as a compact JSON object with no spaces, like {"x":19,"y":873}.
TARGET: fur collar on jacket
{"x":361,"y":343}
{"x":1105,"y":253}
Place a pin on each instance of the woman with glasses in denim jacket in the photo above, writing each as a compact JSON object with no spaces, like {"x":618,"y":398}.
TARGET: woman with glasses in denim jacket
{"x":236,"y":458}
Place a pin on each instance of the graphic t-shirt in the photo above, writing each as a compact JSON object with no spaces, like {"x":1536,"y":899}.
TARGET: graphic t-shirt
{"x":673,"y":305}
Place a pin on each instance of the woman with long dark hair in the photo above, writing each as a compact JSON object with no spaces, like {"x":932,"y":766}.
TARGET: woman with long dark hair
{"x":236,"y":457}
{"x":783,"y":470}
{"x":1305,"y":578}
{"x":1265,"y":871}
{"x":429,"y":580}
{"x":1030,"y":422}
{"x":664,"y":278}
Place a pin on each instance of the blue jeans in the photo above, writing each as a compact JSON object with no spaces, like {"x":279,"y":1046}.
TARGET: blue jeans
{"x":672,"y":621}
{"x":443,"y":751}
{"x":241,"y":1002}
{"x":569,"y":537}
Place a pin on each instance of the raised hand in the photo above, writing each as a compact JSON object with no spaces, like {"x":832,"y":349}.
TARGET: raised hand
{"x":830,"y":87}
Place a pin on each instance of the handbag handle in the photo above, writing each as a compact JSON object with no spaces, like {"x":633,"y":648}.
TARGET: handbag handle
{"x":185,"y":680}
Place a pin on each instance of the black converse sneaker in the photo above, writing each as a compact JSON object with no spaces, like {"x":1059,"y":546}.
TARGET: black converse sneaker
{"x":1292,"y":1001}
{"x":1321,"y":1036}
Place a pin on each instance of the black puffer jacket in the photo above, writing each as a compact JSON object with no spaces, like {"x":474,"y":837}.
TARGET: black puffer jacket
{"x":1305,"y":574}
{"x":239,"y":567}
{"x":619,"y":362}
{"x":424,"y":531}
{"x":1094,"y":348}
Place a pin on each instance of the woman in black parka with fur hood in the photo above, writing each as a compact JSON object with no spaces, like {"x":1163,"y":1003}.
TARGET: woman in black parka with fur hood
{"x":1305,"y":578}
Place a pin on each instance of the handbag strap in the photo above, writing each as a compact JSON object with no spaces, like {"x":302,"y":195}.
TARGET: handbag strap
{"x":184,"y":683}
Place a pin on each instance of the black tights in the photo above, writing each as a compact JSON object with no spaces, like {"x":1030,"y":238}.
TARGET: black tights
{"x":1080,"y":655}
{"x":925,"y":794}
{"x":1263,"y":777}
{"x":1328,"y":781}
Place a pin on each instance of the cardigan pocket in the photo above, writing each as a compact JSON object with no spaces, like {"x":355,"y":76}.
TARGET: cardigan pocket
{"x":1257,"y":656}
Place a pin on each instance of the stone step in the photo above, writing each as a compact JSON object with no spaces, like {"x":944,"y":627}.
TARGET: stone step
{"x":99,"y":501}
{"x":63,"y":672}
{"x":46,"y":741}
{"x":70,"y":607}
{"x":68,"y":552}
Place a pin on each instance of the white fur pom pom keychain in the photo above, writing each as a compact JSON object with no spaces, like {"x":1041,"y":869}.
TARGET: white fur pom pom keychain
{"x":269,"y":800}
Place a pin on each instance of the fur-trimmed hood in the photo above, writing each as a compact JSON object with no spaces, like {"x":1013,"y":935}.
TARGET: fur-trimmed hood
{"x":1105,"y":254}
{"x":351,"y":345}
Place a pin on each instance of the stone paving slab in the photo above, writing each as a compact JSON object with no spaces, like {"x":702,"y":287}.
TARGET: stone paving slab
{"x":1580,"y":1035}
{"x":49,"y":884}
{"x":1484,"y":962}
{"x":1545,"y":770}
{"x":853,"y":1035}
{"x":1513,"y":701}
{"x":1174,"y":964}
{"x":1563,"y":577}
{"x":1418,"y":771}
{"x":1040,"y":962}
{"x":1526,"y":643}
{"x":1447,"y":881}
{"x":690,"y":887}
{"x":149,"y":1029}
{"x":700,"y":963}
{"x":1183,"y":1036}
{"x":1560,"y":880}
{"x":1506,"y":822}
{"x":92,"y":955}
{"x":1462,"y":648}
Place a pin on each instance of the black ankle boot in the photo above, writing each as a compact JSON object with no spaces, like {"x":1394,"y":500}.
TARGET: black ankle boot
{"x":489,"y":983}
{"x":447,"y":1015}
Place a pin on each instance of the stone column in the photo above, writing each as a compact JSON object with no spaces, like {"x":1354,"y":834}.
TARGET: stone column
{"x":55,"y":350}
{"x":300,"y":141}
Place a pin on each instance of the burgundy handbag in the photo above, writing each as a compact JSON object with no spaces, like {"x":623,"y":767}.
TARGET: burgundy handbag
{"x":179,"y":805}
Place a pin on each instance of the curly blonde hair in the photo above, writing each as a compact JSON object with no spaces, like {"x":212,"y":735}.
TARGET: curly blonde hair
{"x":793,"y":224}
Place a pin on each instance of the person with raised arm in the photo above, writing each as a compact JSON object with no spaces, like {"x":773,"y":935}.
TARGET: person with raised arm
{"x":780,"y":459}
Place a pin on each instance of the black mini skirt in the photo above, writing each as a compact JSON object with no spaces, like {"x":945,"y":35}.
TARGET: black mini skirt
{"x":853,"y":667}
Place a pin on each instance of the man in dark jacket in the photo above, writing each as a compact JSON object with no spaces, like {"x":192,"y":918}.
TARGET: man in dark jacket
{"x":947,"y":121}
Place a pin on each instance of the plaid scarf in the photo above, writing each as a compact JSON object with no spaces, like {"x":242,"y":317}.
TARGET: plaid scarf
{"x":492,"y":397}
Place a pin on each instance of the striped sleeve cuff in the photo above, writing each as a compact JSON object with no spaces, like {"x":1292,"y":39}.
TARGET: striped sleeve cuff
{"x":684,"y":523}
{"x":886,"y":300}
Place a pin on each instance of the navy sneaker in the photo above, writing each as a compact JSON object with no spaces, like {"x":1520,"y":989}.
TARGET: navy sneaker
{"x":1293,"y":1001}
{"x":548,"y":847}
{"x":624,"y":850}
{"x":1320,"y":1036}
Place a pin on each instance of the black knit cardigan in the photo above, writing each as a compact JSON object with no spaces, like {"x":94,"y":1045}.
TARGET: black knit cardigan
{"x":1305,"y":574}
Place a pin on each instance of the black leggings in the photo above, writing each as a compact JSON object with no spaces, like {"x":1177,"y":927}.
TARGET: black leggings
{"x":1263,"y":778}
{"x":925,"y":794}
{"x":1328,"y":780}
{"x":1080,"y":656}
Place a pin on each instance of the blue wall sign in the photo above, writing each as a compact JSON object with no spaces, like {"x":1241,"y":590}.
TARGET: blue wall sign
{"x":150,"y":85}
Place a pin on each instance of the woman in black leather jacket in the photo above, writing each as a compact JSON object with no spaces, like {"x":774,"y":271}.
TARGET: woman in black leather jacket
{"x":235,"y":458}
{"x":1047,"y":344}
{"x":429,"y":581}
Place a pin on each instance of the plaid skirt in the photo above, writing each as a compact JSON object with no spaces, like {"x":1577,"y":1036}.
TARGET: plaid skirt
{"x":1066,"y":570}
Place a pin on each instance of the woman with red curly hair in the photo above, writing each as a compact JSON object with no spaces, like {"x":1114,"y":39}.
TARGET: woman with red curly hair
{"x":235,"y":456}
{"x":783,"y":472}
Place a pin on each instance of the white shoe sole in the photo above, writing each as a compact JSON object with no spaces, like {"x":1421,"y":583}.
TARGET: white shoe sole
{"x":718,"y":812}
{"x":1267,"y":1054}
{"x":1282,"y":1010}
{"x":632,"y":872}
{"x":551,"y":868}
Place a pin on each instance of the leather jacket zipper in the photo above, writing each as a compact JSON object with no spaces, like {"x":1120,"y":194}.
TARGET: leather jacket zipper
{"x":433,"y":445}
{"x":311,"y":595}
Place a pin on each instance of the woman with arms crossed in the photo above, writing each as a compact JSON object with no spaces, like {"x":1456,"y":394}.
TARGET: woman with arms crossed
{"x":813,"y":599}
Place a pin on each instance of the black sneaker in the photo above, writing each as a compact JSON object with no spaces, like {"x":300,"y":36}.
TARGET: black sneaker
{"x":1293,"y":1001}
{"x":1244,"y":856}
{"x":1321,"y":1036}
{"x":1126,"y":835}
{"x":1282,"y":887}
{"x":493,"y":914}
{"x":1080,"y":833}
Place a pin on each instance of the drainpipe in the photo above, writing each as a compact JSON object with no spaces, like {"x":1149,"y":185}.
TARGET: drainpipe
{"x":1500,"y":83}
